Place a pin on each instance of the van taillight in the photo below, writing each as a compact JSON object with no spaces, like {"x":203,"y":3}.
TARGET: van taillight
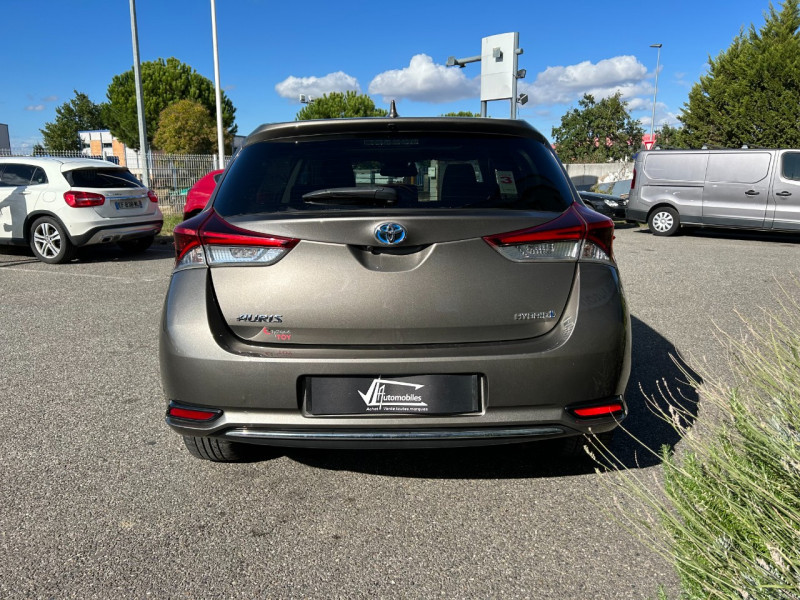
{"x":208,"y":239}
{"x":633,"y":181}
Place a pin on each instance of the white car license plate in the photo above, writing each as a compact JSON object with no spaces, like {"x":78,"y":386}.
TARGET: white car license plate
{"x":128,"y":204}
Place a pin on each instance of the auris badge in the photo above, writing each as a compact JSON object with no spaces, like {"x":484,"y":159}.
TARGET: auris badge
{"x":390,"y":234}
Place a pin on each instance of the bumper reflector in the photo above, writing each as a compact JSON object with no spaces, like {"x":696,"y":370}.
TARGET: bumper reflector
{"x":603,"y":410}
{"x":192,"y":414}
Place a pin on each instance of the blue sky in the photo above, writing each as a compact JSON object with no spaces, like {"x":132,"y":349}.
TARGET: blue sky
{"x":272,"y":51}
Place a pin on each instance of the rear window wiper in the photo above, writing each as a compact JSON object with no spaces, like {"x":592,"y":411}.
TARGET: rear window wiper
{"x":365,"y":195}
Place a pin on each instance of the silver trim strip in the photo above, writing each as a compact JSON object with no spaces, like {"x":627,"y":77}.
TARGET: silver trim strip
{"x":400,"y":435}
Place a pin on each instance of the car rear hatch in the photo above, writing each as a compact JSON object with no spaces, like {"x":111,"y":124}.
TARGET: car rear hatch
{"x":122,"y":194}
{"x":390,"y":240}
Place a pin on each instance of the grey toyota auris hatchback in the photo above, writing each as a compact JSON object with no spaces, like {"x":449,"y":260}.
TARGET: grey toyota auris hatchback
{"x":393,"y":282}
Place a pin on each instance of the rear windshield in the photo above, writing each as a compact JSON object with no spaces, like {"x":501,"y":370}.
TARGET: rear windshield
{"x":102,"y":178}
{"x":421,"y":172}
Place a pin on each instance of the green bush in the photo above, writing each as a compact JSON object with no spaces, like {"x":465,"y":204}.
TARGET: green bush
{"x":728,"y":516}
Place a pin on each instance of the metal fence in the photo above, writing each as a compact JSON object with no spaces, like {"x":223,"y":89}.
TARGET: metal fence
{"x":171,"y":175}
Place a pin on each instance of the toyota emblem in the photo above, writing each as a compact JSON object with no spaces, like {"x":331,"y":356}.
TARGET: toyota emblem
{"x":390,"y":234}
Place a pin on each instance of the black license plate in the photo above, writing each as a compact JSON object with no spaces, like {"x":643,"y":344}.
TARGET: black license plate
{"x":126,"y":204}
{"x":422,"y":394}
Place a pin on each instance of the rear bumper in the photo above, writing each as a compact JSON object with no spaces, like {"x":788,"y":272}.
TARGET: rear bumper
{"x":117,"y":233}
{"x":526,"y":385}
{"x":632,"y":214}
{"x":497,"y":427}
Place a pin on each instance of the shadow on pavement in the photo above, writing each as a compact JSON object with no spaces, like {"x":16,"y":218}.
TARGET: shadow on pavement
{"x":652,"y":367}
{"x":772,"y":237}
{"x":96,"y":253}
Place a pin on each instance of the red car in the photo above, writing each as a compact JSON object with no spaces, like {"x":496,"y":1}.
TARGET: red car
{"x":198,"y":195}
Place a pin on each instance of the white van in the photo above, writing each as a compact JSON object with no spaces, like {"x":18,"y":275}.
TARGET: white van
{"x":748,"y":188}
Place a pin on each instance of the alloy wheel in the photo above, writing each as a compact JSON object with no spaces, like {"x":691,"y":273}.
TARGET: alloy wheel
{"x":47,"y":240}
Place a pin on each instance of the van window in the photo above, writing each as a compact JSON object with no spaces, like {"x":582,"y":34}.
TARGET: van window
{"x":790,"y":166}
{"x":746,"y":167}
{"x":683,"y":166}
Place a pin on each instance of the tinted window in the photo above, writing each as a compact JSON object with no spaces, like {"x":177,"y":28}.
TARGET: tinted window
{"x":425,"y":172}
{"x":790,"y":166}
{"x":15,"y":175}
{"x":102,"y":178}
{"x":38,"y":176}
{"x":676,"y":167}
{"x":747,"y":167}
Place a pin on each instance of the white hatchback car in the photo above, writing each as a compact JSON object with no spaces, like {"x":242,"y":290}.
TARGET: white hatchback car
{"x":56,"y":205}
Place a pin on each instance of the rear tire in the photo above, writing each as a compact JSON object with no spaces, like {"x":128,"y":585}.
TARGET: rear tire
{"x":217,"y":450}
{"x":664,"y":221}
{"x":137,"y":245}
{"x":50,"y":242}
{"x":573,"y":447}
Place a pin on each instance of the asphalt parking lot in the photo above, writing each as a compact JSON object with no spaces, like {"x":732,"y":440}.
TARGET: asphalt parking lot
{"x":100,"y":499}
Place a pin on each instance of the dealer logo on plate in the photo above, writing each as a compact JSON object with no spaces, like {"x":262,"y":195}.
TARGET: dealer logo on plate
{"x":400,"y":397}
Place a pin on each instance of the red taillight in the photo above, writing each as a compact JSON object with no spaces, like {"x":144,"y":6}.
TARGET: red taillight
{"x":192,"y":414}
{"x":633,"y":181}
{"x":602,"y":410}
{"x":599,"y":231}
{"x":577,"y":233}
{"x":187,"y":236}
{"x":209,"y":239}
{"x":78,"y":199}
{"x":217,"y":231}
{"x":152,"y":195}
{"x":568,"y":226}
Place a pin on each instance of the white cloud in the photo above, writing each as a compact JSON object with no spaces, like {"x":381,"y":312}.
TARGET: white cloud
{"x":563,"y":85}
{"x":292,"y":87}
{"x":640,"y":104}
{"x":424,"y":81}
{"x":50,"y":99}
{"x":663,"y":115}
{"x":36,"y":107}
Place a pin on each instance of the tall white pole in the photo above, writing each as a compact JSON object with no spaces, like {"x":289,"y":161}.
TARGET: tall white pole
{"x":220,"y":137}
{"x":137,"y":75}
{"x":655,"y":93}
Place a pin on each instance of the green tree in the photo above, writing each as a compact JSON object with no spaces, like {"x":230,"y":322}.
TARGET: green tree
{"x":597,"y":131}
{"x":669,"y":137}
{"x":163,"y":82}
{"x":340,"y":105}
{"x":462,"y":113}
{"x":78,"y":114}
{"x":185,"y":127}
{"x":751,"y":93}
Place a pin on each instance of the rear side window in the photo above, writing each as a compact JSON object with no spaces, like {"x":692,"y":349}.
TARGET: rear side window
{"x":392,"y":171}
{"x":790,"y":166}
{"x":102,"y":178}
{"x":15,"y":175}
{"x":748,"y":167}
{"x":39,"y":176}
{"x":676,"y":167}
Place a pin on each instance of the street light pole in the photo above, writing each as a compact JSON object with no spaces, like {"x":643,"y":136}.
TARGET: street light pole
{"x":655,"y":93}
{"x":218,"y":91}
{"x":139,"y":98}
